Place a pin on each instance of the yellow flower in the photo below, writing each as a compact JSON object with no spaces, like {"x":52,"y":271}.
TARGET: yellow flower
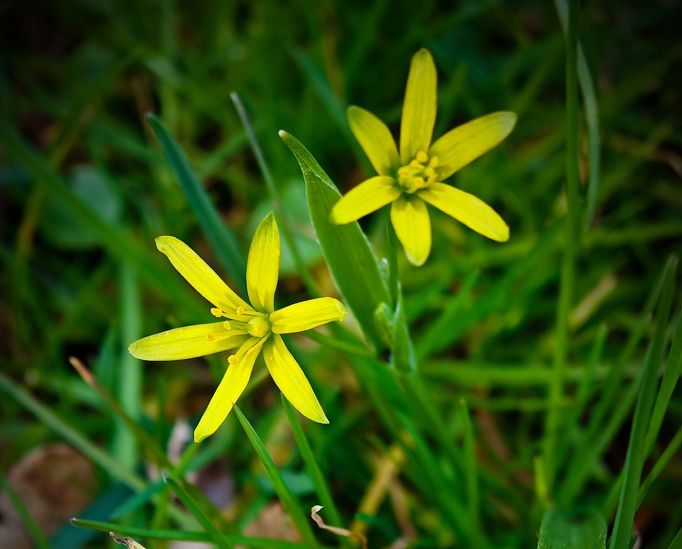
{"x":249,"y":327}
{"x":414,"y":177}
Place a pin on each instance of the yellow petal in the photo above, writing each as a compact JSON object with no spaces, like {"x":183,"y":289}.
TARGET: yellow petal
{"x":306,"y":315}
{"x":375,"y":139}
{"x":231,"y":387}
{"x":187,"y":342}
{"x":368,"y":196}
{"x":467,"y":142}
{"x":202,"y":278}
{"x":419,"y":107}
{"x":467,"y":209}
{"x":262,"y":269}
{"x":291,"y":380}
{"x":412,"y":225}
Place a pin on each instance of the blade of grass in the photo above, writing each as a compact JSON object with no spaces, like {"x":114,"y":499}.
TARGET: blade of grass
{"x":275,"y":197}
{"x":471,"y":477}
{"x":24,"y":514}
{"x":591,"y":107}
{"x":222,"y":240}
{"x":124,"y":446}
{"x":288,"y":499}
{"x":147,"y":441}
{"x":57,"y":424}
{"x":634,"y":460}
{"x":216,"y":535}
{"x":182,"y":535}
{"x":313,"y":469}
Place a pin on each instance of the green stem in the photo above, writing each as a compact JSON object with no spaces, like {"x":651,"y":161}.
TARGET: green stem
{"x":274,"y":196}
{"x":392,"y":256}
{"x":556,"y":388}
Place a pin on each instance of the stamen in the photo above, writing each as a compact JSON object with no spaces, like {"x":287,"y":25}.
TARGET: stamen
{"x":232,"y":359}
{"x":240,"y":310}
{"x":210,"y":337}
{"x":422,"y":157}
{"x":227,"y":325}
{"x":217,"y":312}
{"x":433,"y":162}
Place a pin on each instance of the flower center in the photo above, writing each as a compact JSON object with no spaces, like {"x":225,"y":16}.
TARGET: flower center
{"x":258,"y":326}
{"x":419,"y":173}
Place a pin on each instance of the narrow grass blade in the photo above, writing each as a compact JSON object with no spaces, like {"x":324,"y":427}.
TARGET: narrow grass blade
{"x":634,"y":460}
{"x":223,"y":242}
{"x":560,"y":531}
{"x":313,"y":468}
{"x":345,"y":247}
{"x":57,"y":424}
{"x":125,"y":447}
{"x":668,"y":383}
{"x":471,"y":475}
{"x":182,"y":535}
{"x":289,"y":501}
{"x":275,"y":198}
{"x":24,"y":514}
{"x":591,"y":107}
{"x":210,"y":528}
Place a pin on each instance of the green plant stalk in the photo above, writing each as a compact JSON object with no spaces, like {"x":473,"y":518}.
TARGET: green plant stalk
{"x":634,"y":460}
{"x":313,"y":470}
{"x":556,"y":388}
{"x":24,"y":514}
{"x":275,"y":197}
{"x":288,"y":500}
{"x":205,"y":521}
{"x":182,"y":535}
{"x":222,"y":240}
{"x":124,"y":444}
{"x":591,"y":107}
{"x":471,"y":474}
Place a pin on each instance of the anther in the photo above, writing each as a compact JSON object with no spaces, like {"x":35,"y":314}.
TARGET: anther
{"x":240,"y":310}
{"x":217,"y":312}
{"x":422,"y":157}
{"x":232,"y":359}
{"x":433,"y":162}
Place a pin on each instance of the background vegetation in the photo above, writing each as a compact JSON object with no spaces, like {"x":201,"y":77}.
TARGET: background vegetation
{"x":85,"y":188}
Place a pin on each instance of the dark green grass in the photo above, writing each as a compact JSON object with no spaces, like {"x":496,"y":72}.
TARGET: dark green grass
{"x":491,"y":436}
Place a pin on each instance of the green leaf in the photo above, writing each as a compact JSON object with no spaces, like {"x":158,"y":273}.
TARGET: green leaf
{"x":345,"y":247}
{"x":222,"y":240}
{"x":192,"y":506}
{"x":636,"y":453}
{"x":561,"y":531}
{"x":288,"y":500}
{"x":181,"y":535}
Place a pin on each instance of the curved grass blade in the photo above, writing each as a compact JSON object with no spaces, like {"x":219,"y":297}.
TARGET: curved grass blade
{"x":636,"y":453}
{"x":345,"y":247}
{"x":24,"y":514}
{"x":291,"y":505}
{"x":182,"y":535}
{"x":313,"y":468}
{"x":210,"y":528}
{"x":223,"y":242}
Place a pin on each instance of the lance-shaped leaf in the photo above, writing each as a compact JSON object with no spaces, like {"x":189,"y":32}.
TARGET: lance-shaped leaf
{"x":345,"y":247}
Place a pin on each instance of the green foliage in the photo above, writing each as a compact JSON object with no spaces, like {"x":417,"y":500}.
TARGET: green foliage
{"x":487,"y":399}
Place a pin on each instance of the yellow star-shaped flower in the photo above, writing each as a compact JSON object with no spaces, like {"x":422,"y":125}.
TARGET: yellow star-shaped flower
{"x":249,"y":327}
{"x":414,"y":177}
